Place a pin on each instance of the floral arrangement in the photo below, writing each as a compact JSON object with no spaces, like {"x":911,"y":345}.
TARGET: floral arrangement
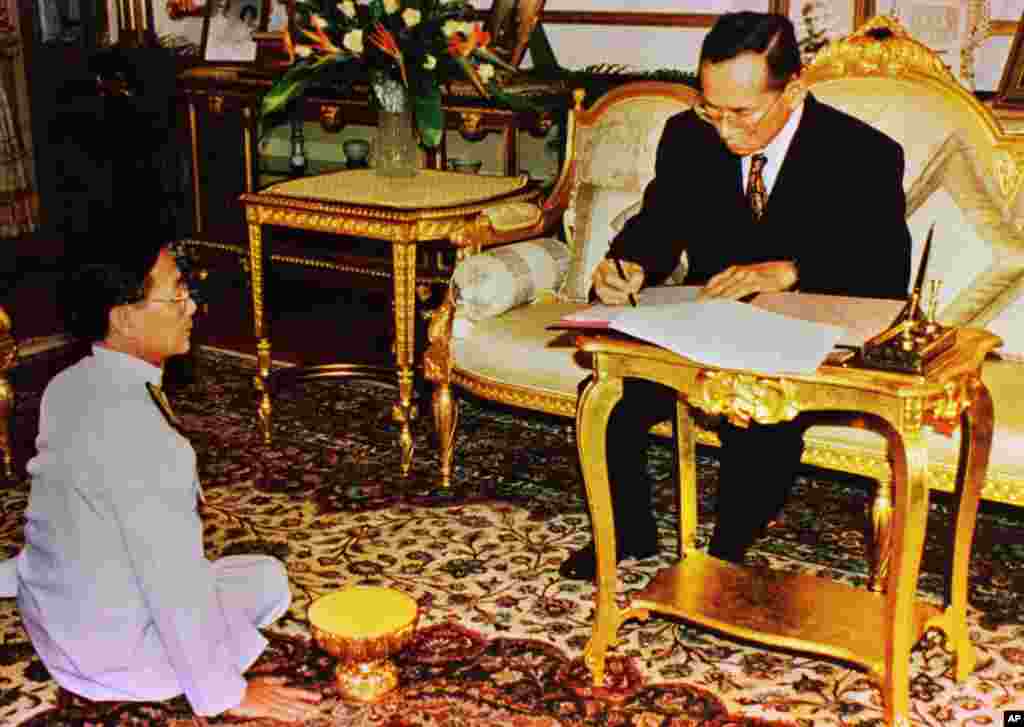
{"x":403,"y":48}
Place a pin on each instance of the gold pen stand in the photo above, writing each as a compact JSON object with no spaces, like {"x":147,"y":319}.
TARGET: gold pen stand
{"x":908,"y":347}
{"x":363,"y":627}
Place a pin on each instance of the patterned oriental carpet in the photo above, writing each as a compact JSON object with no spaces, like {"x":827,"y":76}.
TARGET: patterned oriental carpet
{"x":501,"y":634}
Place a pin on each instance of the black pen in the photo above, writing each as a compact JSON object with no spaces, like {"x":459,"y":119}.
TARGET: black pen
{"x":622,"y":274}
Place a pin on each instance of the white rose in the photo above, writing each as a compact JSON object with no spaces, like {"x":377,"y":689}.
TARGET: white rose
{"x":391,"y":6}
{"x":353,"y":41}
{"x":318,"y":21}
{"x":485,"y":71}
{"x":450,"y":28}
{"x":429,"y":62}
{"x":303,"y":51}
{"x":411,"y":16}
{"x":347,"y":8}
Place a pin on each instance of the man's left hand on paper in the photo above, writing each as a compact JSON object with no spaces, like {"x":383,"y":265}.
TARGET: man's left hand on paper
{"x":739,"y":281}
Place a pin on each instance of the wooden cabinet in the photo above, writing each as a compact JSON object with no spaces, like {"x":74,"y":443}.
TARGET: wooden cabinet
{"x":221,"y":106}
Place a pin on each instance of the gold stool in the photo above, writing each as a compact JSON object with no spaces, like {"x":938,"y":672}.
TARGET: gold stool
{"x":363,"y":627}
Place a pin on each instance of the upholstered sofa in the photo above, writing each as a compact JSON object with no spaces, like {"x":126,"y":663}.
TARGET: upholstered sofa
{"x":963,"y":172}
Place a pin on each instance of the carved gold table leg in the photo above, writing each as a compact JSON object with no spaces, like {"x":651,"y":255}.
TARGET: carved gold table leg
{"x":446,"y":419}
{"x":976,"y":423}
{"x":881,"y":520}
{"x":910,"y":512}
{"x":260,"y":326}
{"x":596,"y":403}
{"x":404,"y":279}
{"x":686,"y":444}
{"x":8,"y":353}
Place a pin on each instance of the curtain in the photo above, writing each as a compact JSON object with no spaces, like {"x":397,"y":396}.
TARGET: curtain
{"x":19,"y":200}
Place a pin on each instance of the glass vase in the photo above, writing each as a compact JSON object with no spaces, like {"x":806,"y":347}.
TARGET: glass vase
{"x":397,"y":152}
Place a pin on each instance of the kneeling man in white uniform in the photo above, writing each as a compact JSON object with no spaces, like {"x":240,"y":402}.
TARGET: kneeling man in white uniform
{"x":113,"y":586}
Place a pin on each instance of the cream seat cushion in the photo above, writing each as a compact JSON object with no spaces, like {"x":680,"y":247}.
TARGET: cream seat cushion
{"x":1005,"y":384}
{"x":517,"y":348}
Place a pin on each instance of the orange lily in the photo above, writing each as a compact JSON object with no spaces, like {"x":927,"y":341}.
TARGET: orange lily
{"x":321,"y":40}
{"x":462,"y":45}
{"x":475,"y":44}
{"x":383,"y":39}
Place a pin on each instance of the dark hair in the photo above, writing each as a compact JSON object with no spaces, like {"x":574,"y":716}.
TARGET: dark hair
{"x":747,"y":32}
{"x":247,"y":9}
{"x":91,"y":288}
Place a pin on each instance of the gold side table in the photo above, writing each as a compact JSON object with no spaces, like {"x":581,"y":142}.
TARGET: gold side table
{"x":793,"y":611}
{"x":8,"y":354}
{"x":431,"y":206}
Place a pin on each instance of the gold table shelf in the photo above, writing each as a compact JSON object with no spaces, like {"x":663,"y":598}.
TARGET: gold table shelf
{"x":794,"y":611}
{"x":431,"y":206}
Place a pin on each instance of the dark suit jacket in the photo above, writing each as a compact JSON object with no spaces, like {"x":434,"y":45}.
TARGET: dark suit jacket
{"x":837,"y":208}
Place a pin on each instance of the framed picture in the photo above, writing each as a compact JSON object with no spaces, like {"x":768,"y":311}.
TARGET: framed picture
{"x":1010,"y":93}
{"x":819,"y":22}
{"x":510,"y":24}
{"x":228,"y":29}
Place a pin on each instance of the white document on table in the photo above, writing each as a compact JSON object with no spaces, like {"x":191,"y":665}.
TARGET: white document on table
{"x":729,"y":334}
{"x":600,"y":315}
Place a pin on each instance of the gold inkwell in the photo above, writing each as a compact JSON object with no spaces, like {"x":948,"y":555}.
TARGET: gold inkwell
{"x":915,"y":339}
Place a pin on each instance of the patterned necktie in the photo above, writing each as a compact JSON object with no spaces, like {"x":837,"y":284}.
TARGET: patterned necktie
{"x":757,"y":196}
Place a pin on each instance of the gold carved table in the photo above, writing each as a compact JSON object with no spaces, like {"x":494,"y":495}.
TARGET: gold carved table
{"x":875,"y":630}
{"x":433,"y":205}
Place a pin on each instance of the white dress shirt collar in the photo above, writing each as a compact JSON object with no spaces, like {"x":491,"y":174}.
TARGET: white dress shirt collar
{"x":128,"y":366}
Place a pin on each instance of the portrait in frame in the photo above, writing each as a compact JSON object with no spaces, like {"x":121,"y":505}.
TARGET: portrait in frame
{"x":510,"y":23}
{"x":229,"y":28}
{"x":1010,"y":94}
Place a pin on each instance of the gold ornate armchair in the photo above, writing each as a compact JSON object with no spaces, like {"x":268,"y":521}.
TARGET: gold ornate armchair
{"x":963,"y":172}
{"x":8,"y":354}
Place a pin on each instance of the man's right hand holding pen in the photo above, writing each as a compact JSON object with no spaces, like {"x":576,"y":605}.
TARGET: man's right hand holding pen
{"x":613,"y":288}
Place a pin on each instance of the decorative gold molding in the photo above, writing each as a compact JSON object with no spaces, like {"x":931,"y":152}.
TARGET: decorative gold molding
{"x":330,"y":118}
{"x":744,"y":397}
{"x":880,"y":47}
{"x":469,"y":121}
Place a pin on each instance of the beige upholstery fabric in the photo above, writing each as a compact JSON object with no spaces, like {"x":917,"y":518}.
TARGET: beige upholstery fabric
{"x":615,"y":161}
{"x":596,"y":208}
{"x":978,"y":250}
{"x":490,"y":283}
{"x":519,"y":348}
{"x":986,"y":264}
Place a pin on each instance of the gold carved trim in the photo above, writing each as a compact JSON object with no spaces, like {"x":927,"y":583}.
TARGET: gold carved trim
{"x":559,"y":404}
{"x":744,"y":397}
{"x":279,"y":207}
{"x":8,"y":346}
{"x":330,"y":118}
{"x":880,"y":47}
{"x":1000,"y":485}
{"x":1009,"y":171}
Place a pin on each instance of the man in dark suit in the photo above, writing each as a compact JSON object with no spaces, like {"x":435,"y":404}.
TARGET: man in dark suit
{"x":765,"y":189}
